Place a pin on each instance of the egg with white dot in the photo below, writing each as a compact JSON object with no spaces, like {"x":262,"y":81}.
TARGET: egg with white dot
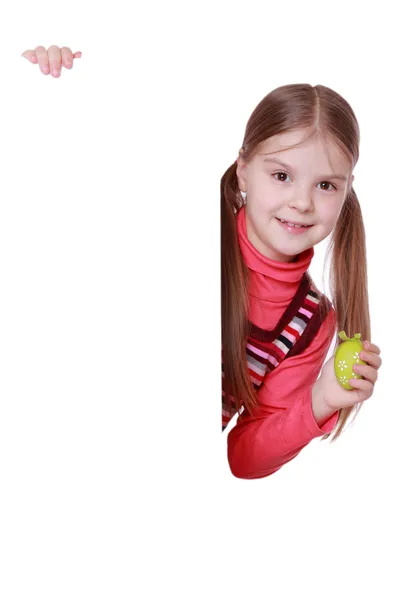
{"x":346,"y":356}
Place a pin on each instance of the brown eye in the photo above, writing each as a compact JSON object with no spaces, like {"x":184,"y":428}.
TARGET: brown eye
{"x":280,"y":176}
{"x":327,"y":184}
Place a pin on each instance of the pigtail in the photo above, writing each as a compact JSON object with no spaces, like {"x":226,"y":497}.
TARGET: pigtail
{"x":348,"y":281}
{"x":234,"y":298}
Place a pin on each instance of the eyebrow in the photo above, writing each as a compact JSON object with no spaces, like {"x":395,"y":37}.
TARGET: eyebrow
{"x":289,"y":168}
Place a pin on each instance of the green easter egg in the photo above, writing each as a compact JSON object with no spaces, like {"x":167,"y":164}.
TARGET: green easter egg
{"x":346,"y":356}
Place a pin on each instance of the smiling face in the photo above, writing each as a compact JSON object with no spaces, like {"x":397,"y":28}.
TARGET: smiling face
{"x":304,"y":185}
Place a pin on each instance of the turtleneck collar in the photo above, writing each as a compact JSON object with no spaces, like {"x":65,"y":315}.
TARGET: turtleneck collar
{"x":271,"y":280}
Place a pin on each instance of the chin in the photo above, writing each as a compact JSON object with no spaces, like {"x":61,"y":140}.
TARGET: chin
{"x":279,"y":252}
{"x":291,"y":246}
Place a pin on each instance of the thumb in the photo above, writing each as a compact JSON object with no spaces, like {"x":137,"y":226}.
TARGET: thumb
{"x":77,"y":55}
{"x":30,"y":55}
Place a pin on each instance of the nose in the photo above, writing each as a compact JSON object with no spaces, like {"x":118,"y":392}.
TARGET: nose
{"x":301,"y":199}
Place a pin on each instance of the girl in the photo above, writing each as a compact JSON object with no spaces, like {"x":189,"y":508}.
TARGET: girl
{"x":290,"y":187}
{"x":52,"y":59}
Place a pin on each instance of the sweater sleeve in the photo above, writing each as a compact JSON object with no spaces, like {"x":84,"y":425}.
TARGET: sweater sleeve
{"x":283,"y":423}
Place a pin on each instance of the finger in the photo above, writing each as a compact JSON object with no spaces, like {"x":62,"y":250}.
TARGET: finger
{"x":369,"y":373}
{"x":54,"y":53}
{"x":371,"y":358}
{"x":77,"y":54}
{"x":363,"y":387}
{"x":371,"y":347}
{"x":43,"y":59}
{"x":67,"y":57}
{"x":30,"y":55}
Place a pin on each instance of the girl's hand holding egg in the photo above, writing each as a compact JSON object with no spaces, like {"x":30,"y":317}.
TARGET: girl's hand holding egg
{"x":347,"y":378}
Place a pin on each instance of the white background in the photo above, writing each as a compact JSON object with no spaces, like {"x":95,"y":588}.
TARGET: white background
{"x":113,"y":473}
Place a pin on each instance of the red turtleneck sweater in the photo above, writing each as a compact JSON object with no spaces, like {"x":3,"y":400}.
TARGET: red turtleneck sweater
{"x":284,"y":423}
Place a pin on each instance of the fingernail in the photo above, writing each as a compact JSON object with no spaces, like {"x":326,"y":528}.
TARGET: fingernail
{"x":45,"y":69}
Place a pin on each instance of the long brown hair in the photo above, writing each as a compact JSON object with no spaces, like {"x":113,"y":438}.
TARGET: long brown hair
{"x":322,"y":110}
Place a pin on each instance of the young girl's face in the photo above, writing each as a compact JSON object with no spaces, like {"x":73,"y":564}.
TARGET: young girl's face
{"x":305,"y":185}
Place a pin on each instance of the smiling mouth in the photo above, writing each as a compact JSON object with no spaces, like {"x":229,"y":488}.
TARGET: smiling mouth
{"x":297,"y":225}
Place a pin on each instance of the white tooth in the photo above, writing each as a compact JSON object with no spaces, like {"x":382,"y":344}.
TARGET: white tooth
{"x":291,"y":224}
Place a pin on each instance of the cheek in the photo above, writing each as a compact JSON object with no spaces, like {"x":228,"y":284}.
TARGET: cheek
{"x":260,"y":183}
{"x":262,"y":207}
{"x":330,"y":211}
{"x":264,"y":196}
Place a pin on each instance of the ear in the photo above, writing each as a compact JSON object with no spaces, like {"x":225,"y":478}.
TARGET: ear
{"x":241,"y":172}
{"x":349,"y":185}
